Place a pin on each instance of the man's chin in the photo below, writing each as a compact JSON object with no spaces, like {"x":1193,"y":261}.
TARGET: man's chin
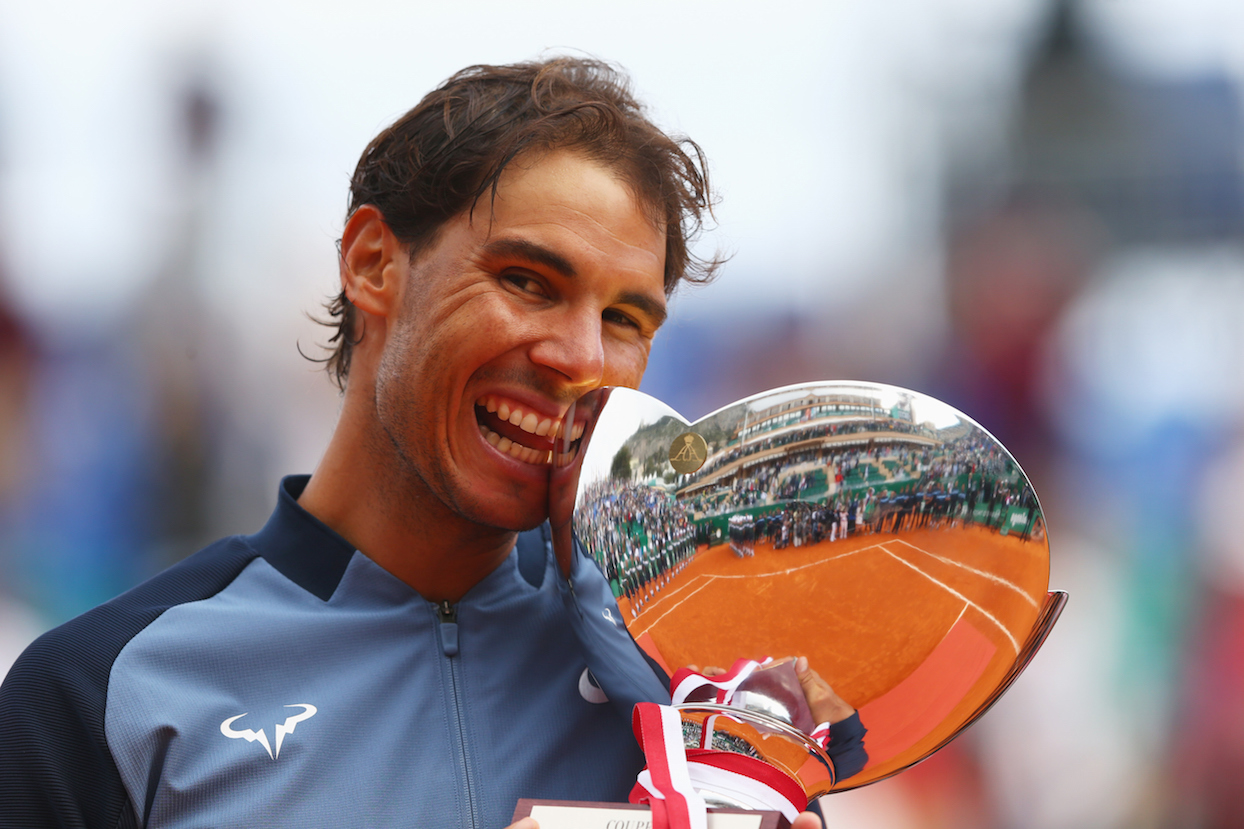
{"x":512,"y":516}
{"x":498,"y":492}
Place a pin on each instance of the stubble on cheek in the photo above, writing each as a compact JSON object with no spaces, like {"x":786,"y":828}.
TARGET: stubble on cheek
{"x":413,"y":440}
{"x":397,"y":411}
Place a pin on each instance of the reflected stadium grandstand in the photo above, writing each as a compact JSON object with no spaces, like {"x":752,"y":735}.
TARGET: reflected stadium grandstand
{"x":824,"y":467}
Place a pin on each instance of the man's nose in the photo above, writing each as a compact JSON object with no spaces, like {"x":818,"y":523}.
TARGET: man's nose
{"x":571,"y":345}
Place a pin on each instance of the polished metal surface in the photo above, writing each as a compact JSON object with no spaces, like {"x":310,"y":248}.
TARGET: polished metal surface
{"x":876,"y":531}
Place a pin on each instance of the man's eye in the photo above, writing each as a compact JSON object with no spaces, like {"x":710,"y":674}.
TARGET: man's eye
{"x":619,"y":318}
{"x":525,"y":283}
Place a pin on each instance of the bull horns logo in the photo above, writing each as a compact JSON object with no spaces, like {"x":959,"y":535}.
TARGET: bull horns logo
{"x":252,"y":736}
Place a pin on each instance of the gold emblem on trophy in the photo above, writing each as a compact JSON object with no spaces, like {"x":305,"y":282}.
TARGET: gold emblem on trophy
{"x":688,"y":453}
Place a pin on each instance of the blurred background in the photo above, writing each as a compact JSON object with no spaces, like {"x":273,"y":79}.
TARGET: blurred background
{"x":1031,"y":209}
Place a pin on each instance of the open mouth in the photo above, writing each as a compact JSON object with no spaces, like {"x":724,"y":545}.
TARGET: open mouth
{"x":526,"y":435}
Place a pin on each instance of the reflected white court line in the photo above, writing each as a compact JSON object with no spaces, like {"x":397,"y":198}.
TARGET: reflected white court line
{"x":958,"y":595}
{"x":990,"y":576}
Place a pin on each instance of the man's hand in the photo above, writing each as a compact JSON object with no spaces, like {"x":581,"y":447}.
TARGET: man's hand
{"x":825,"y":704}
{"x":710,"y":671}
{"x":807,"y":820}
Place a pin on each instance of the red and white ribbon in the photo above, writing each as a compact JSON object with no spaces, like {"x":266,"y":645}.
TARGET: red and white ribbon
{"x":687,"y":681}
{"x":665,"y":785}
{"x":746,"y":781}
{"x":671,"y":783}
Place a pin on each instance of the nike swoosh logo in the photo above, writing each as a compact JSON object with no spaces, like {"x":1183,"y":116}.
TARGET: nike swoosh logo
{"x":589,"y":690}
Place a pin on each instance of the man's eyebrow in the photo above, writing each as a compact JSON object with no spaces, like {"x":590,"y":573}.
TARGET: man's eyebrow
{"x":531,"y":252}
{"x":540,"y":255}
{"x":654,"y":310}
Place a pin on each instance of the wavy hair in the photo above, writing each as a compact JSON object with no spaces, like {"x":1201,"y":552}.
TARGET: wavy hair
{"x":441,"y":157}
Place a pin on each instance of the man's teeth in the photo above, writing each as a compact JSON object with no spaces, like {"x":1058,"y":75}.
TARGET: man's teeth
{"x":515,"y":450}
{"x":529,"y":422}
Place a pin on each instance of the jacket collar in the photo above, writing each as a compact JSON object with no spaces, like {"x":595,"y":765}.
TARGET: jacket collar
{"x":302,"y":547}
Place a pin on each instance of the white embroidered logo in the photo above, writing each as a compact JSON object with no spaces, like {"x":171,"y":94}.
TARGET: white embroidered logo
{"x":251,"y":736}
{"x":589,"y":690}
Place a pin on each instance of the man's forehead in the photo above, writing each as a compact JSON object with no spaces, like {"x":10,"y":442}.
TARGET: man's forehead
{"x":574,"y":180}
{"x":565,"y":194}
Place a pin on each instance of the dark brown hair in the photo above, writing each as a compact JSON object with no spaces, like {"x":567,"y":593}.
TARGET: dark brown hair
{"x":440,"y":158}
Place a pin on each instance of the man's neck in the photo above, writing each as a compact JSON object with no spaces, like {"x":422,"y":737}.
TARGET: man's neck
{"x":398,"y":522}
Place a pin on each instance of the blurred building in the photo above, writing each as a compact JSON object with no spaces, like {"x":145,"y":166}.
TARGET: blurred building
{"x":1080,"y":256}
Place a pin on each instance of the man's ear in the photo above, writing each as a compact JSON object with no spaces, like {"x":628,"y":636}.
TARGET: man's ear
{"x":373,"y":262}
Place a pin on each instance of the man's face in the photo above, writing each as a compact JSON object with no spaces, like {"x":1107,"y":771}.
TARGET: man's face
{"x":508,"y":317}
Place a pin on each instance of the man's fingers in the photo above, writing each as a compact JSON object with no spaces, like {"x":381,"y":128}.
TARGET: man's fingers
{"x":530,"y":823}
{"x":708,"y":670}
{"x":808,"y":678}
{"x":807,"y":820}
{"x":825,"y":703}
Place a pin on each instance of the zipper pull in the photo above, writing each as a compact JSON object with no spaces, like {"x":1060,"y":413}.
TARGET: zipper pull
{"x":448,"y":614}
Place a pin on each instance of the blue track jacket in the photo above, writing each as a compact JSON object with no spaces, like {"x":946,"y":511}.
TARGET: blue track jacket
{"x":284,"y":679}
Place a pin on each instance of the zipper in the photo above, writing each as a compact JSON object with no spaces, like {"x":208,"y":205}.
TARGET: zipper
{"x":447,"y":632}
{"x":448,"y":615}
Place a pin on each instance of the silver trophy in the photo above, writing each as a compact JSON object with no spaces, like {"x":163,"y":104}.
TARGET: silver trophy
{"x":877,"y":532}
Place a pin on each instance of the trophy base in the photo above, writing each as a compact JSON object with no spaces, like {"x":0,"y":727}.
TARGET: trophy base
{"x":577,"y":814}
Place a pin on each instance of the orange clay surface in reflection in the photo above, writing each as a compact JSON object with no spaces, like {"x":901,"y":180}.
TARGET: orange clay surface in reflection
{"x":867,"y":611}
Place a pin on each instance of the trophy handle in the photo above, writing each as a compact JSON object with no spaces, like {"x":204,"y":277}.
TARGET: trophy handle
{"x":1055,"y":601}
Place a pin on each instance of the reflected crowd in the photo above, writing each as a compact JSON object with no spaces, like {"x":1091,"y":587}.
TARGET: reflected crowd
{"x":638,"y":535}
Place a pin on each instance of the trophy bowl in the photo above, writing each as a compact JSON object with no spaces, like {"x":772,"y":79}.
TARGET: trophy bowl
{"x":875,"y":531}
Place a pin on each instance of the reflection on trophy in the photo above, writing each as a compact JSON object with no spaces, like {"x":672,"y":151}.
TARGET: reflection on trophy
{"x":837,"y":578}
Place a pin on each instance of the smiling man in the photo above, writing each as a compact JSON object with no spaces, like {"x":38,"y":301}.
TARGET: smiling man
{"x":396,"y":647}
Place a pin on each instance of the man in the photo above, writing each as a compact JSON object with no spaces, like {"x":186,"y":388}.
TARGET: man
{"x":382,"y":653}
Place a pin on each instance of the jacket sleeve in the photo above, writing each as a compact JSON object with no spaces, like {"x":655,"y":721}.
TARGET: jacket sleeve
{"x":846,"y":747}
{"x":55,"y":766}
